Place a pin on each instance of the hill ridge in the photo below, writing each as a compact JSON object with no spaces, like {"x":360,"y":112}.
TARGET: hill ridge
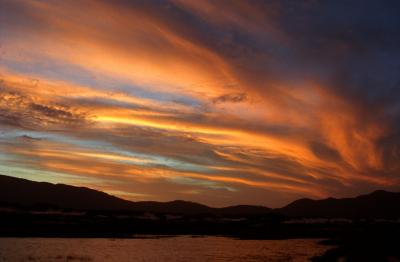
{"x":24,"y":192}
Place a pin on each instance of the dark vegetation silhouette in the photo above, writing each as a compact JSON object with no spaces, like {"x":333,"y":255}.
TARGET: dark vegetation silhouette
{"x":364,"y":228}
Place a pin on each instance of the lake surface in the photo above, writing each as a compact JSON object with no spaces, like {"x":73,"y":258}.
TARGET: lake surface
{"x":181,"y":248}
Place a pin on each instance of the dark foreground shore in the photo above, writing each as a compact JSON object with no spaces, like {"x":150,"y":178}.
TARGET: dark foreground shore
{"x":351,"y":240}
{"x":366,"y":243}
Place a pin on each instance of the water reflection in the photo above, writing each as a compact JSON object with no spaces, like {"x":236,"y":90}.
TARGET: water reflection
{"x":183,"y":248}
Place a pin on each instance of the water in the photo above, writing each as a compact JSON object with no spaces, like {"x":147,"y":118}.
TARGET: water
{"x":182,"y":248}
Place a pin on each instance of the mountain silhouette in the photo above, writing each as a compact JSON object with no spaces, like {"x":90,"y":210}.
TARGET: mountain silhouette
{"x":29,"y":193}
{"x":379,"y":204}
{"x":26,"y":193}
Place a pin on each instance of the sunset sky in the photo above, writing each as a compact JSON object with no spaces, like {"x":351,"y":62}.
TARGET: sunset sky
{"x":218,"y":102}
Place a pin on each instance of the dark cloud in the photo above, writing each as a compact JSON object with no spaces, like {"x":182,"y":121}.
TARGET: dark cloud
{"x":232,"y":98}
{"x":58,"y":113}
{"x":17,"y":109}
{"x":325,"y":152}
{"x":30,"y":138}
